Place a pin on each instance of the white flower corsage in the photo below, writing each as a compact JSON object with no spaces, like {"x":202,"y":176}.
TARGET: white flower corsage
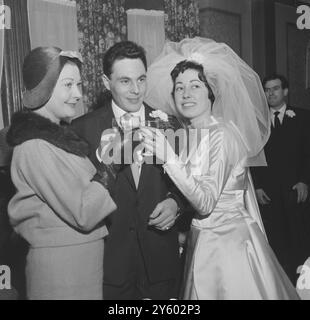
{"x":196,"y":57}
{"x":290,"y":113}
{"x":159,"y":114}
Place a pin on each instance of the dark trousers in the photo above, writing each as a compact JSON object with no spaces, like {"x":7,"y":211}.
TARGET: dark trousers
{"x":138,"y":286}
{"x":288,"y":230}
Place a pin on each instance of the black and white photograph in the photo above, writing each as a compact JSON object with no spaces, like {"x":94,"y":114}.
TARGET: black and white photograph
{"x":154,"y":150}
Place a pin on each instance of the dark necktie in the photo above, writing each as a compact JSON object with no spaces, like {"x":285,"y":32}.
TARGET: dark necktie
{"x":128,"y":123}
{"x":277,"y":123}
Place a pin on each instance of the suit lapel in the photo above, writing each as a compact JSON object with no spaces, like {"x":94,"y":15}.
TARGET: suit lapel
{"x":129,"y":176}
{"x":145,"y":169}
{"x":105,"y":119}
{"x":288,"y":121}
{"x":284,"y":136}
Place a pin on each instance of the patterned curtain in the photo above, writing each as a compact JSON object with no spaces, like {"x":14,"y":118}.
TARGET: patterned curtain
{"x":181,"y":19}
{"x":101,"y":23}
{"x":16,"y":47}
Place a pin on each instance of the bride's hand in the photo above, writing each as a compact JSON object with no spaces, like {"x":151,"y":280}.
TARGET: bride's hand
{"x":156,"y":142}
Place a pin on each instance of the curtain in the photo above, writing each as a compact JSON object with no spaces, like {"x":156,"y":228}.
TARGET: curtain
{"x":181,"y":19}
{"x":16,"y":47}
{"x":147,"y":28}
{"x":1,"y":64}
{"x":53,"y":23}
{"x":101,"y":23}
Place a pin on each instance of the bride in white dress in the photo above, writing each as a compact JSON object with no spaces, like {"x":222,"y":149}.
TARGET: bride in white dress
{"x":228,"y":256}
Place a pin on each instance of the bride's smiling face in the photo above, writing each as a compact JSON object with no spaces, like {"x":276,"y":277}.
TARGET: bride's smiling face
{"x":191,"y":95}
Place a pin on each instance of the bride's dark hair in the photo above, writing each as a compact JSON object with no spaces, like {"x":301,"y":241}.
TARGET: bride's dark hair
{"x":188,"y":64}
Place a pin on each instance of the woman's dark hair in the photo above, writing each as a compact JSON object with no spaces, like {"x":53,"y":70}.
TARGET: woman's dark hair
{"x":37,"y":63}
{"x":122,"y":50}
{"x":276,"y":76}
{"x":185,"y":65}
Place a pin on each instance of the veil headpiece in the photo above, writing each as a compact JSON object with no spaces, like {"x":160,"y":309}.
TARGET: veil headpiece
{"x":239,"y":96}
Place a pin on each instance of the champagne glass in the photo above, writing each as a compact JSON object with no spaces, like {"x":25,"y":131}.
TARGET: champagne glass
{"x":150,"y":124}
{"x":127,"y":124}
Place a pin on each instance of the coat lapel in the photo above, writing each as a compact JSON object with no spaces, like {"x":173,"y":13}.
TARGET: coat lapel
{"x":105,"y":118}
{"x":129,"y":176}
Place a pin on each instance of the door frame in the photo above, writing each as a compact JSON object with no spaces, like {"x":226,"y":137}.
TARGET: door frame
{"x":242,"y":8}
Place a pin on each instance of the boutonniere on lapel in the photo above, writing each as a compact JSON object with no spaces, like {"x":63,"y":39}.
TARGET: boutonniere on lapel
{"x":290,"y":113}
{"x":158,"y":114}
{"x":161,"y":120}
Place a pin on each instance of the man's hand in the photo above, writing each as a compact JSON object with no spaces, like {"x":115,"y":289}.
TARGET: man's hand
{"x":164,"y":215}
{"x":302,"y":191}
{"x":262,"y":197}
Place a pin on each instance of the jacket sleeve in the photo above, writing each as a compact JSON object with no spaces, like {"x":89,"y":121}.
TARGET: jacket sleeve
{"x":62,"y":180}
{"x":203,"y":182}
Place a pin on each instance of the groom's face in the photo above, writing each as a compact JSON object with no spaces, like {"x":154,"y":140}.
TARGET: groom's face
{"x":127,"y":83}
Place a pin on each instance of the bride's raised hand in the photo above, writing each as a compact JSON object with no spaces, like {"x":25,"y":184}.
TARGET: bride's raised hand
{"x":156,"y":142}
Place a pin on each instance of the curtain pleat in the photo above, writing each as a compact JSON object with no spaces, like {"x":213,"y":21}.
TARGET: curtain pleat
{"x":59,"y":19}
{"x":16,"y":47}
{"x":147,"y":28}
{"x":53,"y":23}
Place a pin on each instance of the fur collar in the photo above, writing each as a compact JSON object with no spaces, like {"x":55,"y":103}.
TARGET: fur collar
{"x":27,"y":125}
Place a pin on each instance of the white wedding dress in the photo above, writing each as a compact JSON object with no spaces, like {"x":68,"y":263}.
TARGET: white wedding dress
{"x":228,"y":256}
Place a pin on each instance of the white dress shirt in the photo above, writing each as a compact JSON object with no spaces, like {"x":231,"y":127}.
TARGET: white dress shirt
{"x":118,"y":113}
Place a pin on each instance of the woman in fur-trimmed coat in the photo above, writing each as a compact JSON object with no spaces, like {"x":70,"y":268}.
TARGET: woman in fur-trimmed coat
{"x":59,"y":207}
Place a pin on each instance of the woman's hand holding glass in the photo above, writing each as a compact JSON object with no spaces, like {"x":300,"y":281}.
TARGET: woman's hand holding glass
{"x":151,"y":137}
{"x":107,"y":138}
{"x":155,"y":142}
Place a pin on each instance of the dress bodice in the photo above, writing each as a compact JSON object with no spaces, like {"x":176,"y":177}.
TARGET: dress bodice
{"x":213,"y":176}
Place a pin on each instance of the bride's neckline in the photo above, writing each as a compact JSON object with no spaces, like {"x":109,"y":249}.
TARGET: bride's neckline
{"x":203,"y":122}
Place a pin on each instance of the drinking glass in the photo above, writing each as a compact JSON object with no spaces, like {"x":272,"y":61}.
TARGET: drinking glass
{"x":150,"y":124}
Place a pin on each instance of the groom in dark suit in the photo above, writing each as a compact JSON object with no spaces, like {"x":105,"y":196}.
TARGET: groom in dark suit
{"x":282,"y":187}
{"x":141,"y":251}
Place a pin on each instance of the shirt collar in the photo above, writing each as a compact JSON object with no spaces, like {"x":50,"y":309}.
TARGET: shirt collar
{"x":119,"y":112}
{"x":281,"y":110}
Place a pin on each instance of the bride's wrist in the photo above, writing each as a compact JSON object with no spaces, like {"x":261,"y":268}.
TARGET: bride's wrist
{"x":171,"y":158}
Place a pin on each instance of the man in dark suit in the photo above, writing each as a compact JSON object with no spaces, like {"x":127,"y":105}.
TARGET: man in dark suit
{"x":141,"y":251}
{"x":282,"y":186}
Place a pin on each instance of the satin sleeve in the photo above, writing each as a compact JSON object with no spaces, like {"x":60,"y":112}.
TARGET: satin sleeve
{"x":203,"y":178}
